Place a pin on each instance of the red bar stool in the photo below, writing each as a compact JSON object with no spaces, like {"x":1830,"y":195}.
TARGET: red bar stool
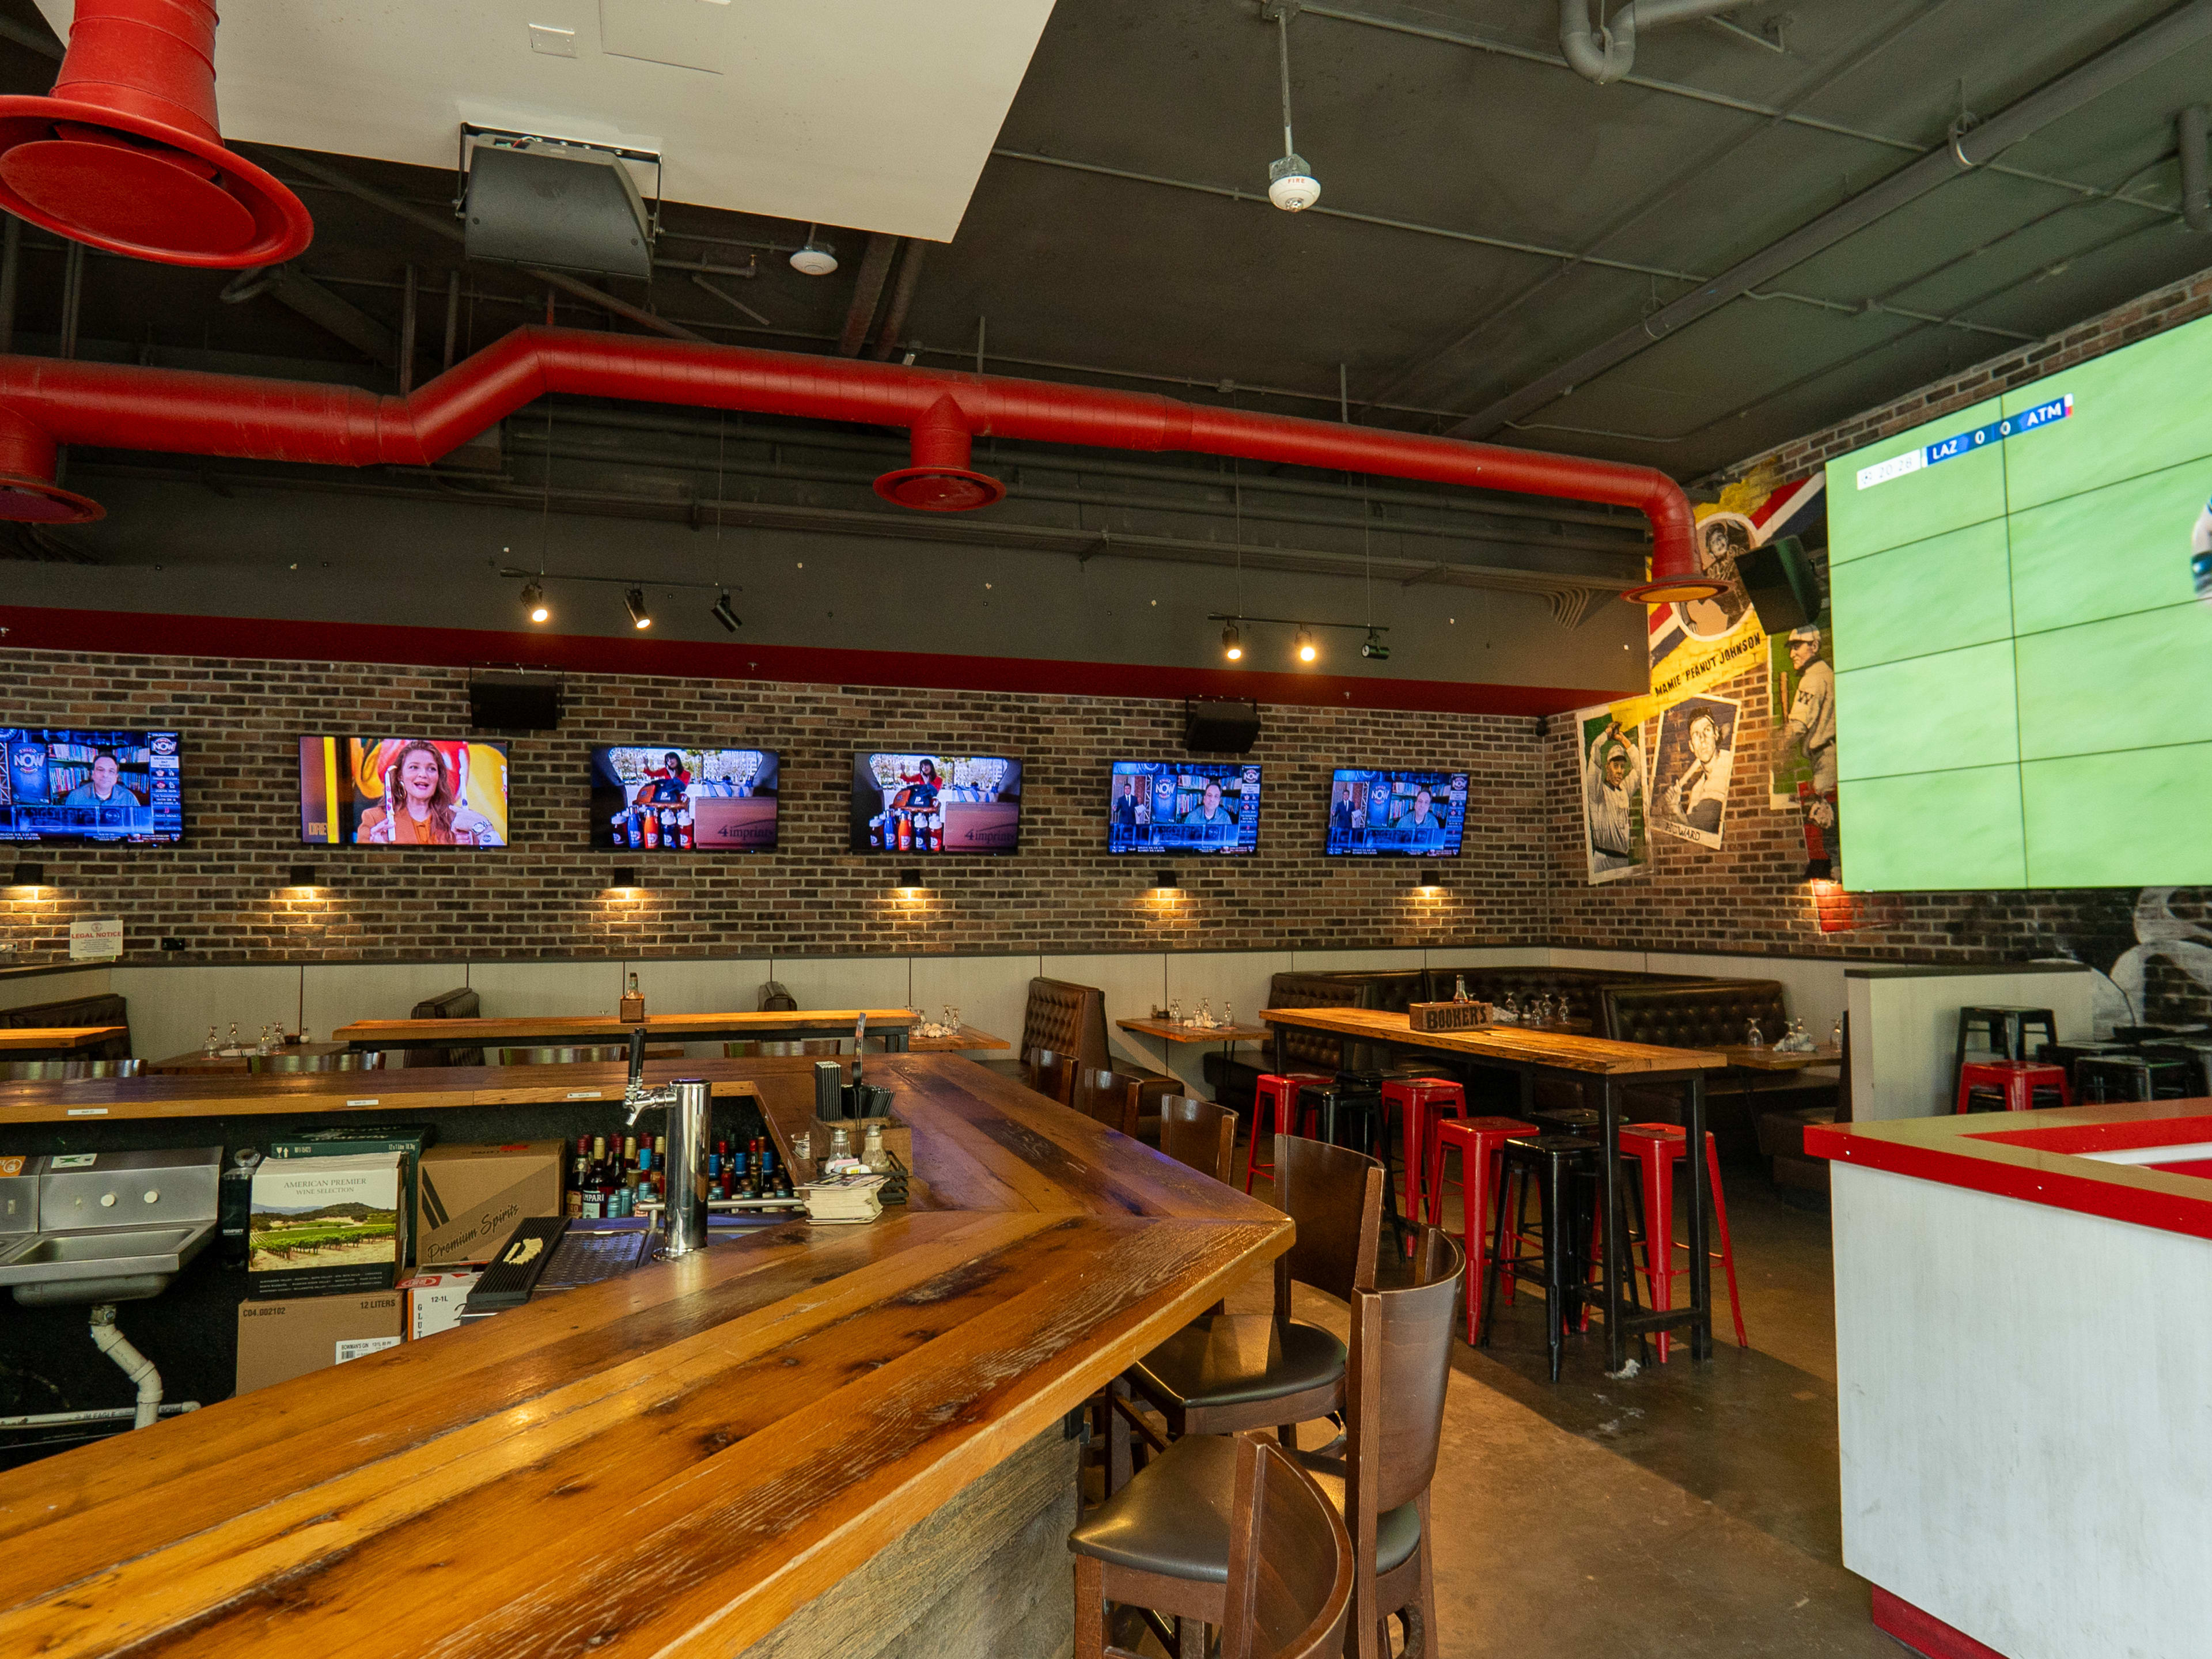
{"x":1481,"y":1144}
{"x":2016,"y":1080}
{"x":1275,"y":1112}
{"x":1656,"y":1146}
{"x":1418,"y":1100}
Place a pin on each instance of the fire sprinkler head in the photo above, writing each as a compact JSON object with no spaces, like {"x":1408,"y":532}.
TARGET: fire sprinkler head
{"x":88,"y":163}
{"x":940,"y":489}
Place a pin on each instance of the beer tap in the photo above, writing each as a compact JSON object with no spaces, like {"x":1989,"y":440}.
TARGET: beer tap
{"x":690,"y":1102}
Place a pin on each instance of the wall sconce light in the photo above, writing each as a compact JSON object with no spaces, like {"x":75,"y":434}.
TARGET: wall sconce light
{"x":29,"y":875}
{"x":301,"y":875}
{"x":1165,"y":885}
{"x":1428,"y":881}
{"x":1832,"y":907}
{"x":909,"y":884}
{"x":625,"y":879}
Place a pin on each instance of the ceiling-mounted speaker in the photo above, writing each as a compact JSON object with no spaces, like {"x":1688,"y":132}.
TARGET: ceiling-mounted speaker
{"x":1783,"y":586}
{"x":515,"y":702}
{"x":561,"y":207}
{"x":1220,"y":728}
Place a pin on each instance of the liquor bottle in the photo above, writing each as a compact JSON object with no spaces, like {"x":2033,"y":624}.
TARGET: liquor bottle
{"x":735,"y":1174}
{"x":595,"y":1191}
{"x":644,"y":1156}
{"x":714,"y":1171}
{"x":580,"y":1170}
{"x":660,"y":1154}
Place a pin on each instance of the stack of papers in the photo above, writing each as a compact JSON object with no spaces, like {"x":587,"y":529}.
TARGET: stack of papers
{"x":843,"y":1200}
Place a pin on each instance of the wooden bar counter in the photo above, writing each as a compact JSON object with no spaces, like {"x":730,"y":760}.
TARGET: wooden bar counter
{"x":745,"y":1450}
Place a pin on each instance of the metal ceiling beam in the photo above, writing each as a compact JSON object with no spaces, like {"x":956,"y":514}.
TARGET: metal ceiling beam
{"x":1507,"y":245}
{"x":867,"y":293}
{"x":2113,"y":67}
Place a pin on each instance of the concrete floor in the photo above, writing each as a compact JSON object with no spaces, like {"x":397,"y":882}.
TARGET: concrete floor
{"x":1685,"y":1511}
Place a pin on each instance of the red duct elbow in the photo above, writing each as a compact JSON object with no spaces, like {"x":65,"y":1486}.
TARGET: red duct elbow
{"x":173,"y":411}
{"x":124,"y":154}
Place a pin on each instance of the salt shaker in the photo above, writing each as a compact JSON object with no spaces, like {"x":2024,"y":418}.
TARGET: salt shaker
{"x":872,"y":1149}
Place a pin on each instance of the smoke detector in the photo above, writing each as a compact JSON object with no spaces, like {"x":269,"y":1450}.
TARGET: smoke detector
{"x":1290,"y":186}
{"x":816,"y":258}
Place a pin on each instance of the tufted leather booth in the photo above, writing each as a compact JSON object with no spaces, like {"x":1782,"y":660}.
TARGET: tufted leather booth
{"x":105,"y":1009}
{"x":459,"y":1003}
{"x":1707,"y":1015}
{"x":1068,"y":1019}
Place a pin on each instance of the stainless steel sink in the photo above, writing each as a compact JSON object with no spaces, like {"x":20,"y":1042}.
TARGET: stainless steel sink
{"x":112,"y":1226}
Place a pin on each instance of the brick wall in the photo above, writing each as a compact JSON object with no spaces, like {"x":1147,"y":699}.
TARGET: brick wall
{"x":221,"y":890}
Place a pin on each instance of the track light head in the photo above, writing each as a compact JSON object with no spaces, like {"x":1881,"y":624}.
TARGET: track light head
{"x":1232,"y":643}
{"x":533,"y":603}
{"x":1374,"y":649}
{"x":723,"y":614}
{"x":639,"y":618}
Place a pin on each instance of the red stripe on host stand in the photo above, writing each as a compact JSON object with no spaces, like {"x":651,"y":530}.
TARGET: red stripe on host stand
{"x":1923,"y":1632}
{"x":138,"y":633}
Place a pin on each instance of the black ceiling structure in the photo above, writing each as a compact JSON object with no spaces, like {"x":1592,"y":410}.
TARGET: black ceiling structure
{"x":1502,"y":249}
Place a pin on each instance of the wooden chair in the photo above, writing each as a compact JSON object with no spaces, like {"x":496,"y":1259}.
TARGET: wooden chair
{"x":1199,"y":1133}
{"x":1290,"y":1571}
{"x":1223,"y":1373}
{"x":1050,"y":1074}
{"x":1113,"y":1098}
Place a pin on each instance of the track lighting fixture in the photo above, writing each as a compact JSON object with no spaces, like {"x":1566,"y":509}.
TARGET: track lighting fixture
{"x":1308,"y":651}
{"x":723,"y":614}
{"x":1232,"y":643}
{"x":533,"y":603}
{"x":1290,"y":184}
{"x":1374,"y":649}
{"x":639,"y":617}
{"x":816,"y":258}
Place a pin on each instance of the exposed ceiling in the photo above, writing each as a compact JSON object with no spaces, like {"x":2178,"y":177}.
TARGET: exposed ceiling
{"x":1486,"y":215}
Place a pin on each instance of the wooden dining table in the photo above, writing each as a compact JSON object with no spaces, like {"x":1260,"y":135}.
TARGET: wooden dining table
{"x":240,"y":1064}
{"x":784,"y":1440}
{"x":563,"y":1030}
{"x":1593,"y":1065}
{"x":55,"y":1042}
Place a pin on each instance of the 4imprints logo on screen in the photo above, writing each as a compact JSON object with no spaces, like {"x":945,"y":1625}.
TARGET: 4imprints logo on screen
{"x":1965,"y":443}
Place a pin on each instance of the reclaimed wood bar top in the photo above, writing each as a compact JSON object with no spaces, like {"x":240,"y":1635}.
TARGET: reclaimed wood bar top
{"x":556,"y":1029}
{"x":401,"y":1088}
{"x":59,"y":1036}
{"x":1507,"y":1045}
{"x":672,"y":1462}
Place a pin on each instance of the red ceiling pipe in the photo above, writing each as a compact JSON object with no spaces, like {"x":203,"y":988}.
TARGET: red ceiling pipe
{"x":124,"y":153}
{"x":118,"y":406}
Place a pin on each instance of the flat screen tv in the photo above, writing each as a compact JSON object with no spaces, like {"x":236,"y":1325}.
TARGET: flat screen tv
{"x":402,"y":792}
{"x":2022,"y":607}
{"x":1183,"y":806}
{"x":1419,"y":815}
{"x":675,"y":798}
{"x":98,"y":785}
{"x":914,"y":803}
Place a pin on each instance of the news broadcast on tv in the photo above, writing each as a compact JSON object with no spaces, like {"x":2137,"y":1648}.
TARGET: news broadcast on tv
{"x":936,"y":804}
{"x":668,"y":798}
{"x":402,"y":792}
{"x":102,"y":785}
{"x":1407,"y":814}
{"x":1183,"y":806}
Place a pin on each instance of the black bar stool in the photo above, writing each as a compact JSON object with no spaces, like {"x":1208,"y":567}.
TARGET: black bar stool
{"x":1566,"y":1120}
{"x":2003,"y":1032}
{"x":2099,"y":1077}
{"x":1553,"y":1161}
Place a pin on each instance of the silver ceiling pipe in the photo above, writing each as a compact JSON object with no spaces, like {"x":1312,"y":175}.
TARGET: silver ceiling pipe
{"x":1606,"y":52}
{"x":2196,"y":197}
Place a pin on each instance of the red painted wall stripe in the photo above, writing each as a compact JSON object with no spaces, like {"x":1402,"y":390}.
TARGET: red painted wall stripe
{"x":135,"y":633}
{"x":1923,"y":1632}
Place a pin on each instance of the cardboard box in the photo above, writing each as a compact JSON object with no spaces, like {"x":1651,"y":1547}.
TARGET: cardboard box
{"x":407,"y":1139}
{"x":280,"y":1340}
{"x":326,"y":1226}
{"x":470,"y":1198}
{"x":434,"y":1302}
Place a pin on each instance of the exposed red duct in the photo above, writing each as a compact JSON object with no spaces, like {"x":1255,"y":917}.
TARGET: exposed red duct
{"x":119,"y":406}
{"x":124,"y":153}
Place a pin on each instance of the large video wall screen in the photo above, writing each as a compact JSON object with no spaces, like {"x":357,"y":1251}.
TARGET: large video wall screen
{"x":2022,"y":594}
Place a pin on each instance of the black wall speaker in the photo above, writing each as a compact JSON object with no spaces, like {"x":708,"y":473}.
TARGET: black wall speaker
{"x":1783,"y":584}
{"x":1220,"y":728}
{"x":515,"y":702}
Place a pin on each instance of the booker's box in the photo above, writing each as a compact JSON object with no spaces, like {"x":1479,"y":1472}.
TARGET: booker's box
{"x":469,"y":1198}
{"x":434,"y":1302}
{"x":326,"y":1225}
{"x":280,"y":1340}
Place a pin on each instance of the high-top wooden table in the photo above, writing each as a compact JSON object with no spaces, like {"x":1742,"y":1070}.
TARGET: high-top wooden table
{"x":563,"y":1030}
{"x":1592,"y":1064}
{"x":676,"y":1461}
{"x":54,"y":1041}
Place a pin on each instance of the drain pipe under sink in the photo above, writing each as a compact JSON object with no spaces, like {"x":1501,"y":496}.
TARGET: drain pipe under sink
{"x":136,"y":1366}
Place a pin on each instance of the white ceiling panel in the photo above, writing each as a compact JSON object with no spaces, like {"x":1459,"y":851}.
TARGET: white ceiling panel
{"x":875,"y":114}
